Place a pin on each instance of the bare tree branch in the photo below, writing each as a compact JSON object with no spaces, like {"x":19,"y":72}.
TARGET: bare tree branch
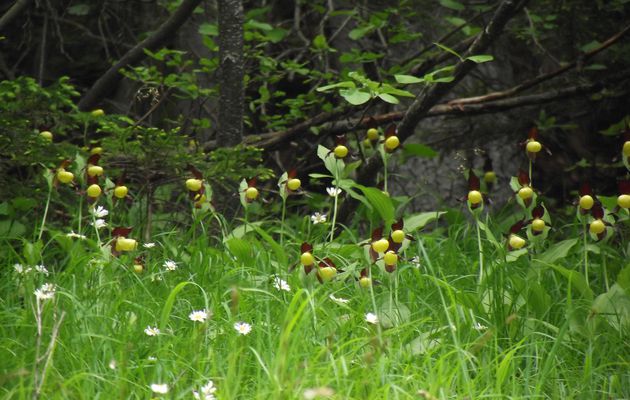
{"x":432,"y":94}
{"x":541,"y":78}
{"x":273,"y":139}
{"x":107,"y":82}
{"x":15,"y":10}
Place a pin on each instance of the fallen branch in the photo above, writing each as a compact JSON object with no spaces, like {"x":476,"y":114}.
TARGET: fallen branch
{"x":272,"y":139}
{"x":107,"y":82}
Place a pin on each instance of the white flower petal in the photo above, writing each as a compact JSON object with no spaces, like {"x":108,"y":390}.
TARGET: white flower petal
{"x":45,"y":292}
{"x":281,"y":284}
{"x":160,"y":388}
{"x":198,"y":316}
{"x":371,"y":318}
{"x":243,"y":328}
{"x":152,"y":331}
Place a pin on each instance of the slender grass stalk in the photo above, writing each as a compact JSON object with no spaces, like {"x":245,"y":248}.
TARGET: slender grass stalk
{"x":335,"y":203}
{"x":98,"y":236}
{"x":80,"y":216}
{"x":462,"y":360}
{"x":480,"y":249}
{"x":585,"y":256}
{"x":385,"y":160}
{"x":41,"y":228}
{"x":284,"y":211}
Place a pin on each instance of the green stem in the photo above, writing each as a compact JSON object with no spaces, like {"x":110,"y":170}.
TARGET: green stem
{"x":41,"y":228}
{"x":385,"y":173}
{"x":584,"y":229}
{"x":98,"y":236}
{"x":334,"y":218}
{"x":480,"y":247}
{"x":79,"y":230}
{"x":284,"y":211}
{"x":531,"y":182}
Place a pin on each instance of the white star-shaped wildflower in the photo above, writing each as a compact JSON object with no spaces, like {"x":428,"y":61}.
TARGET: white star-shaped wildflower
{"x":206,"y":392}
{"x":170,"y":265}
{"x":243,"y":328}
{"x":338,"y":300}
{"x":479,"y":327}
{"x":41,"y":269}
{"x":198,"y":316}
{"x":99,"y":223}
{"x":149,"y":245}
{"x":19,"y":268}
{"x":45,"y":292}
{"x":371,"y":318}
{"x":159,"y":388}
{"x":333,"y":191}
{"x":152,"y":331}
{"x":99,"y":212}
{"x":281,"y":284}
{"x":318,"y":218}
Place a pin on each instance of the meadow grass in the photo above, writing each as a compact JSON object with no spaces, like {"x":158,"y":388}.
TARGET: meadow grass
{"x":527,"y":331}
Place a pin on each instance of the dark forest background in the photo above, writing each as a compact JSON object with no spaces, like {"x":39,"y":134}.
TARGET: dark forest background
{"x":223,"y":85}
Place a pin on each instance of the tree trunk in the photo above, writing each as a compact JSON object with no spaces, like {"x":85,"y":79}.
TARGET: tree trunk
{"x":232,"y":96}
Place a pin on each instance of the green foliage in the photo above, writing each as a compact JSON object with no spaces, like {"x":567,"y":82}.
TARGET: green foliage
{"x":366,"y":91}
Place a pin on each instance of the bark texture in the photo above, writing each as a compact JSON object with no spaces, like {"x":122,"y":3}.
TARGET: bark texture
{"x":232,"y":71}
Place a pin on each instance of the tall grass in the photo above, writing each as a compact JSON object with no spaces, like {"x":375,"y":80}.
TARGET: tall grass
{"x":525,"y":331}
